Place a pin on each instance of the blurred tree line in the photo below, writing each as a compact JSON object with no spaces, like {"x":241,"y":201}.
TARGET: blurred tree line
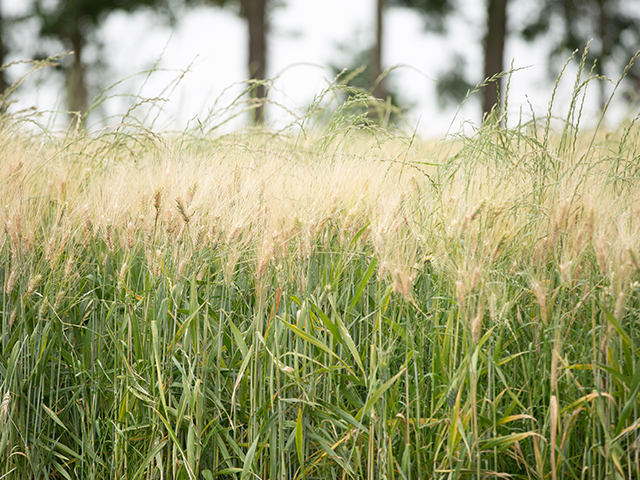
{"x":615,"y":31}
{"x":613,"y":28}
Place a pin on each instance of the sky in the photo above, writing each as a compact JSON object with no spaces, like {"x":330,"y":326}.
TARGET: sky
{"x":306,"y":36}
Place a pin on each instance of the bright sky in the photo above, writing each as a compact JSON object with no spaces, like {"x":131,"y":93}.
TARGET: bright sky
{"x":305,"y":38}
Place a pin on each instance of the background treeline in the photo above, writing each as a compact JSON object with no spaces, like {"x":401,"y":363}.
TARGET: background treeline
{"x":567,"y":25}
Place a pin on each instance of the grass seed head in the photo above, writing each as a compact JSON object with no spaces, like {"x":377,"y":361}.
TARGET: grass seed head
{"x":191,"y":193}
{"x":108,"y":234}
{"x":68,"y":267}
{"x":618,"y":310}
{"x":182,"y":264}
{"x":402,"y":282}
{"x":476,"y":275}
{"x":565,"y":272}
{"x":265,"y":255}
{"x":11,"y":282}
{"x":123,"y":272}
{"x":4,"y":409}
{"x":60,"y":214}
{"x":234,"y":233}
{"x":230,"y":268}
{"x":157,"y":200}
{"x":16,"y":231}
{"x":59,"y":298}
{"x":182,"y":210}
{"x":492,"y":307}
{"x":476,"y":327}
{"x":34,"y":281}
{"x":130,"y":235}
{"x":49,"y":250}
{"x":540,"y":293}
{"x":87,"y":225}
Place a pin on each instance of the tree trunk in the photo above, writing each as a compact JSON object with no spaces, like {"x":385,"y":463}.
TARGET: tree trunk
{"x":3,"y":54}
{"x":494,"y":51}
{"x":605,"y":50}
{"x":77,"y":87}
{"x":376,"y":62}
{"x":255,"y":13}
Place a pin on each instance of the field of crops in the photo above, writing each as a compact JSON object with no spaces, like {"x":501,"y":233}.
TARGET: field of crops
{"x":345,"y":304}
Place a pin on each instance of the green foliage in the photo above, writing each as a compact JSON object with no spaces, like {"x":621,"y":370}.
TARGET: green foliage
{"x":357,"y":86}
{"x":434,"y":12}
{"x":66,"y":18}
{"x":74,"y":24}
{"x":615,"y":29}
{"x":453,"y":86}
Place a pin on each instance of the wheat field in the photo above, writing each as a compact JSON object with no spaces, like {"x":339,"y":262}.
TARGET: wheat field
{"x":347,"y":303}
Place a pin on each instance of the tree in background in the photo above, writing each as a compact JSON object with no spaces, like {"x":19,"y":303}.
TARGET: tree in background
{"x":377,"y":81}
{"x":453,"y":84}
{"x":9,"y":26}
{"x":616,"y":34}
{"x":255,"y":12}
{"x":494,"y":41}
{"x":359,"y":95}
{"x":3,"y":51}
{"x":434,"y":12}
{"x":370,"y":78}
{"x":74,"y":23}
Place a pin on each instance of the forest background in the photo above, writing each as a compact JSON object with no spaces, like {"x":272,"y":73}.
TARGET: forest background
{"x":438,"y":49}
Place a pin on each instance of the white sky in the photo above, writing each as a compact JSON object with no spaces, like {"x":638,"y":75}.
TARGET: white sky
{"x":304,"y":39}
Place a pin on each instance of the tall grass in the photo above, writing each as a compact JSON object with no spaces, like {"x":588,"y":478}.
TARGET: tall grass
{"x":346,"y":304}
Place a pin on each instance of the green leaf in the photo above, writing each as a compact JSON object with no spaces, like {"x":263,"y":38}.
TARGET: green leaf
{"x":149,"y":458}
{"x":228,"y":471}
{"x":358,"y":234}
{"x":616,"y":324}
{"x":240,"y":343}
{"x":314,"y":341}
{"x":243,"y":367}
{"x":248,"y":459}
{"x":156,"y":348}
{"x":626,"y":411}
{"x":351,"y":346}
{"x":176,"y":444}
{"x":207,"y":474}
{"x":326,"y":322}
{"x":299,"y":439}
{"x":504,"y":442}
{"x":53,"y":415}
{"x":377,"y":393}
{"x":362,"y":284}
{"x":615,"y":373}
{"x":178,"y":336}
{"x":61,"y":470}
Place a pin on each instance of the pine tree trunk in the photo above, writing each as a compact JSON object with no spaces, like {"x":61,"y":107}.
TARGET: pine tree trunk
{"x":77,"y":87}
{"x":255,"y":13}
{"x":605,"y":50}
{"x":379,"y":91}
{"x":494,"y":51}
{"x":3,"y":54}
